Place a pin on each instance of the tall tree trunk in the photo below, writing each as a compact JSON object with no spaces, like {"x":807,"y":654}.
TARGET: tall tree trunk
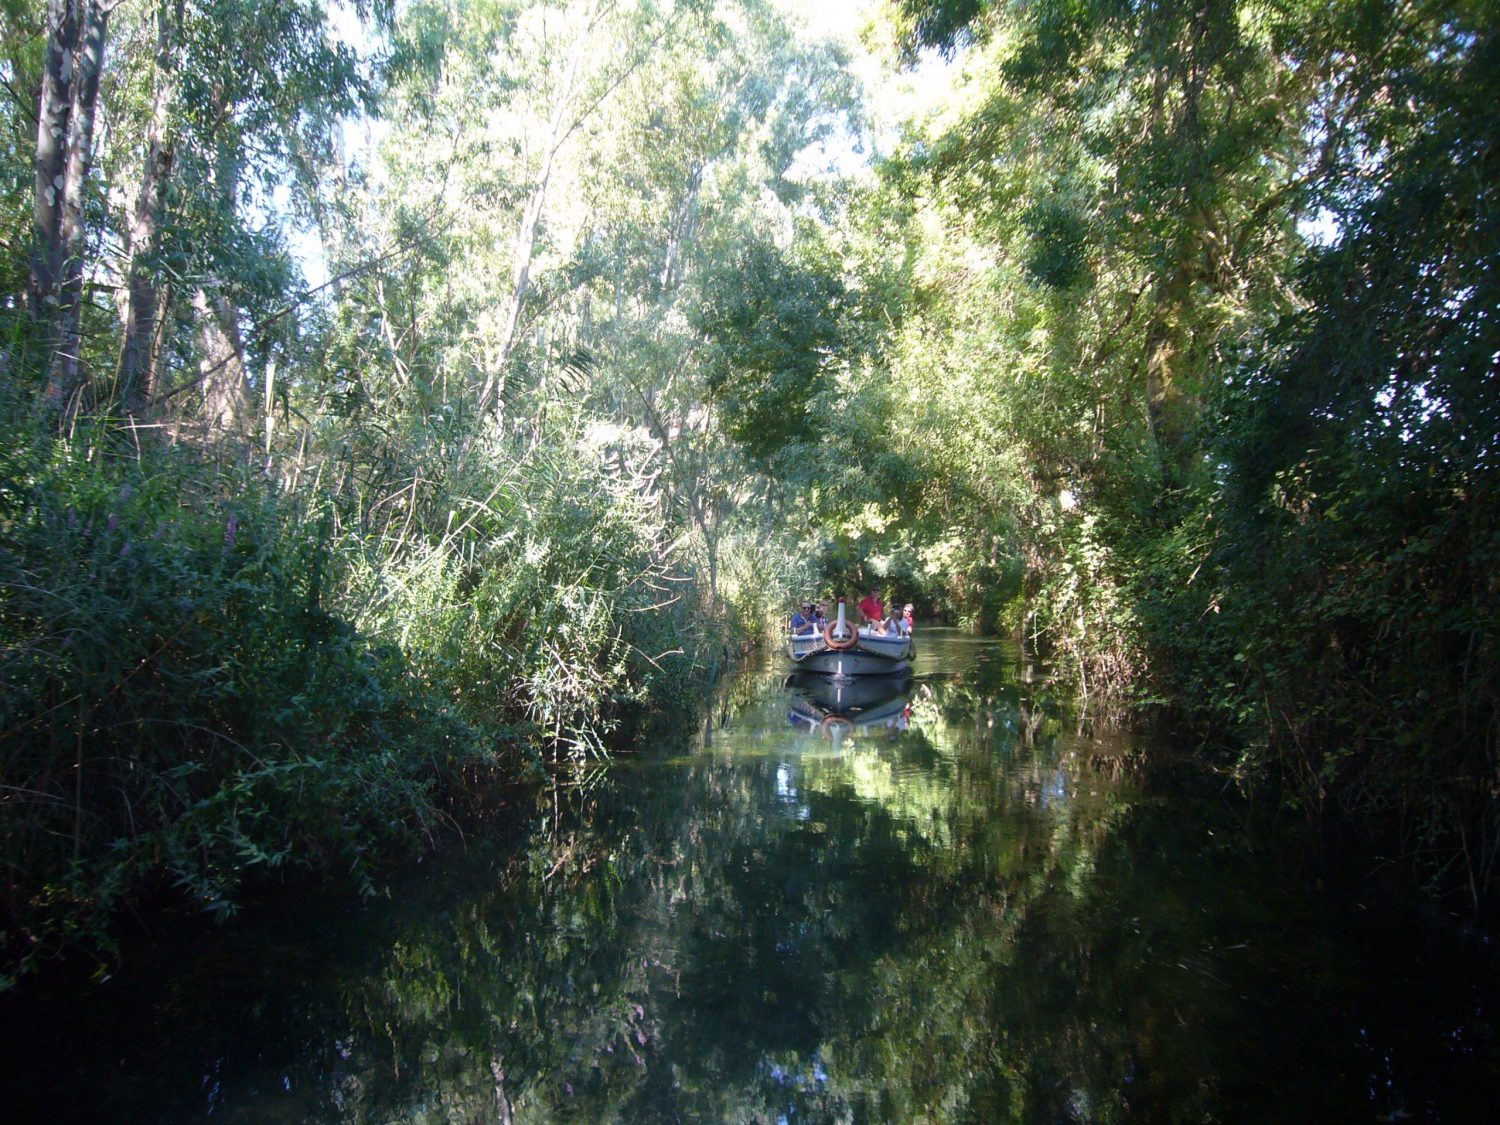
{"x":568,"y":113}
{"x":87,"y":61}
{"x":680,"y":232}
{"x":1167,"y":407}
{"x":138,"y":382}
{"x":559,"y":129}
{"x":557,"y":132}
{"x":53,"y":116}
{"x":226,"y":390}
{"x":161,"y":339}
{"x":1172,"y":404}
{"x":1173,"y":400}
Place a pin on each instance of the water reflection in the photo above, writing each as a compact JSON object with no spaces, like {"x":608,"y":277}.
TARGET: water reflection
{"x":837,"y":706}
{"x":947,"y":906}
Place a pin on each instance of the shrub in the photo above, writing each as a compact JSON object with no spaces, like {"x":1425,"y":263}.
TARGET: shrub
{"x":179,"y":702}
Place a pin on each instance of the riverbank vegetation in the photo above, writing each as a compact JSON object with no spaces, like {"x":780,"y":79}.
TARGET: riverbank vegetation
{"x":283,"y":560}
{"x":396,"y":393}
{"x":1200,"y":306}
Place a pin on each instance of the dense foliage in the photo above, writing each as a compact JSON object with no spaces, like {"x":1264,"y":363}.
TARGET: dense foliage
{"x":391,"y":389}
{"x":285,"y":562}
{"x":1215,"y":285}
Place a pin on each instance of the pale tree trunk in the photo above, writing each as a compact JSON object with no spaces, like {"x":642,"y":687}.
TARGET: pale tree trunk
{"x":557,"y":132}
{"x":226,"y":390}
{"x":1161,"y":392}
{"x":161,"y":340}
{"x":87,"y":63}
{"x":1171,"y":401}
{"x":680,"y":233}
{"x":138,"y":375}
{"x":559,"y":129}
{"x":695,"y":486}
{"x":222,"y":380}
{"x":53,"y":116}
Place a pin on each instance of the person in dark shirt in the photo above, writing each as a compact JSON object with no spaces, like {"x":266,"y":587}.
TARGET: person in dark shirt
{"x":802,"y":620}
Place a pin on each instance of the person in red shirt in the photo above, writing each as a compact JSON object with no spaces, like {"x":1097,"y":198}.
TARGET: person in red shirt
{"x":872,"y":609}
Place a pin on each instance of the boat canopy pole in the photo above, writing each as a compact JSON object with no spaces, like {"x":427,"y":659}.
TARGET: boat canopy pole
{"x":841,"y":629}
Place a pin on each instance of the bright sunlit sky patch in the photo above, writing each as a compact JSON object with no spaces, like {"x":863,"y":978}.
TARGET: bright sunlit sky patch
{"x":891,"y":99}
{"x":360,"y":136}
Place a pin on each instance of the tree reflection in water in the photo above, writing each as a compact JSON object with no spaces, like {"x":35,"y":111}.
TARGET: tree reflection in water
{"x":956,"y":909}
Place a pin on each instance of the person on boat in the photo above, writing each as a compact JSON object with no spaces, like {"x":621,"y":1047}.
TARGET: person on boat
{"x":820,"y":615}
{"x":803,"y":621}
{"x":907,"y":620}
{"x":872,"y":609}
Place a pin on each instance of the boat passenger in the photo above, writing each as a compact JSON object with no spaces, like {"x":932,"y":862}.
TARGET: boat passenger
{"x":907,"y":620}
{"x":872,"y":609}
{"x":803,"y":623}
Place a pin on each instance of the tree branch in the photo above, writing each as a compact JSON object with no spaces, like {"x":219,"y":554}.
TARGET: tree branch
{"x":263,"y":328}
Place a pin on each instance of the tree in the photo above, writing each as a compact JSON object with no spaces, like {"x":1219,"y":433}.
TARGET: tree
{"x":76,"y":32}
{"x":139,"y":374}
{"x":772,"y":323}
{"x":1237,"y":267}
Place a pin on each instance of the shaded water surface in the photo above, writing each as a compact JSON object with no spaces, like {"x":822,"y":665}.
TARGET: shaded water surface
{"x":940,"y":902}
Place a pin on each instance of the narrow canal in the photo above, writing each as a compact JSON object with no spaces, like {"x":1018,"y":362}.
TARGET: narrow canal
{"x":941,"y":903}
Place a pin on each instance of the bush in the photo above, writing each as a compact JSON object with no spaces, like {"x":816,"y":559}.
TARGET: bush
{"x":543,"y":609}
{"x":179,"y":702}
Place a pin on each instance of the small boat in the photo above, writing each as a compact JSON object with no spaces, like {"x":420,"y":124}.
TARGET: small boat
{"x":840,"y":649}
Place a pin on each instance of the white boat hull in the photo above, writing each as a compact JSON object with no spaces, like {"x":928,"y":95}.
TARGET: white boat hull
{"x":871,"y":655}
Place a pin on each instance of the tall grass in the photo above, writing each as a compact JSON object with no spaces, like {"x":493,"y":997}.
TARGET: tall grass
{"x":545,"y":599}
{"x":208,"y":675}
{"x":178,"y":700}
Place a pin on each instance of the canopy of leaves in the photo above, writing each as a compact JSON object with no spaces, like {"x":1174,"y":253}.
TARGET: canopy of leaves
{"x":771,"y":324}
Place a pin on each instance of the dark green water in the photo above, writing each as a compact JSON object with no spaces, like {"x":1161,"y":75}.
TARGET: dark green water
{"x":946,"y":906}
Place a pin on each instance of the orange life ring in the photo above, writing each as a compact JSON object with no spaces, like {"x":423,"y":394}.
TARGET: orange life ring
{"x":840,"y":644}
{"x":832,"y":722}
